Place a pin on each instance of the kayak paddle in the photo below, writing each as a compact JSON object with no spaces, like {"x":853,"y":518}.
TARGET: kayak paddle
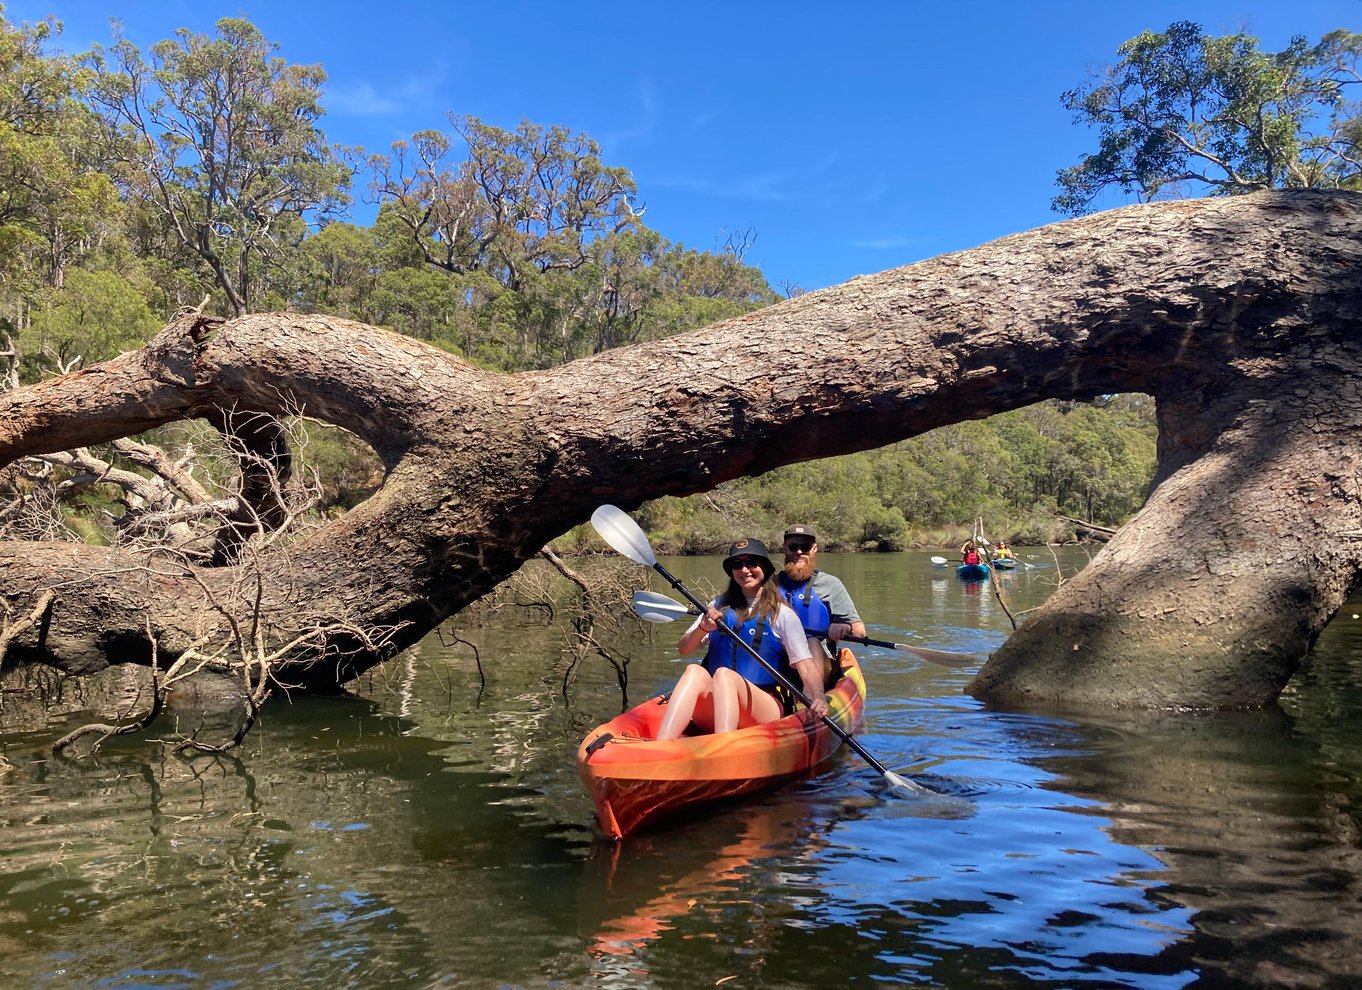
{"x":625,"y":537}
{"x":945,"y":658}
{"x":653,"y":607}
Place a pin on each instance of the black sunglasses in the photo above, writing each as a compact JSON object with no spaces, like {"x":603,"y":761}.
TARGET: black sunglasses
{"x":800,"y":547}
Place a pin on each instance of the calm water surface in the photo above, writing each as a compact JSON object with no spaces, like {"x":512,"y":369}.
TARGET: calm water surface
{"x":429,"y":831}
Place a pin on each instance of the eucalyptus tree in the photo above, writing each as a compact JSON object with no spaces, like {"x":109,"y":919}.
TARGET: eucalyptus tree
{"x":507,"y":202}
{"x":336,"y":271}
{"x":94,"y":316}
{"x":56,"y":201}
{"x":525,"y":211}
{"x":1183,"y":109}
{"x":220,"y":141}
{"x":546,"y":245}
{"x":221,"y":138}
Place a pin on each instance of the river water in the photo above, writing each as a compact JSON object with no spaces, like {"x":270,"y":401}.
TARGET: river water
{"x":428,"y":830}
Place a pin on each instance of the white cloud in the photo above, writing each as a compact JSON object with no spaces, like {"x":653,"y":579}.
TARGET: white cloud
{"x":360,"y":100}
{"x":778,"y":186}
{"x":702,"y":120}
{"x":364,"y":99}
{"x":765,"y":188}
{"x":642,"y":130}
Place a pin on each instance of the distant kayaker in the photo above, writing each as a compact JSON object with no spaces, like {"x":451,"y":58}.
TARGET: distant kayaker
{"x":819,"y":599}
{"x":731,"y":690}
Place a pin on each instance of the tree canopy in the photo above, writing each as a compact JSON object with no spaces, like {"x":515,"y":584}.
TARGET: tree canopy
{"x":1185,"y":113}
{"x":219,"y":138}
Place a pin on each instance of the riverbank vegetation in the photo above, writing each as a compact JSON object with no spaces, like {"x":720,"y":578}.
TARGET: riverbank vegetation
{"x":1019,"y":472}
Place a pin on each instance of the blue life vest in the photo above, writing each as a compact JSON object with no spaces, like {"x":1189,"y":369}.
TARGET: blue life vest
{"x":723,"y":652}
{"x":812,"y":611}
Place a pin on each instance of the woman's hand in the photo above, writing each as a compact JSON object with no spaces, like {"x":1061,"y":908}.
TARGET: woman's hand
{"x":811,"y":673}
{"x":710,"y":620}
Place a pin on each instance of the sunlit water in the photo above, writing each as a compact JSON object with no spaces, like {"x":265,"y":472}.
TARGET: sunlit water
{"x":429,"y":831}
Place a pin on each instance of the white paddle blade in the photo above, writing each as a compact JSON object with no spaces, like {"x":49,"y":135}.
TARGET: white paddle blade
{"x":940,"y":561}
{"x":943,"y":657}
{"x":652,"y":607}
{"x":903,"y":787}
{"x":622,"y":533}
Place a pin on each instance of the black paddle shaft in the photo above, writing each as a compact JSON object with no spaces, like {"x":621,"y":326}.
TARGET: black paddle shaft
{"x":867,"y":641}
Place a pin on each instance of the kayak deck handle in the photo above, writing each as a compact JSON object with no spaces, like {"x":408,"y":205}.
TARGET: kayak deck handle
{"x":598,"y":742}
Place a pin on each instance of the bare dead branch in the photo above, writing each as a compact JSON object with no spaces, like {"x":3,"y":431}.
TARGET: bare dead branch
{"x":1097,"y":532}
{"x":105,"y":731}
{"x":173,"y":472}
{"x":451,"y":639}
{"x":12,"y":630}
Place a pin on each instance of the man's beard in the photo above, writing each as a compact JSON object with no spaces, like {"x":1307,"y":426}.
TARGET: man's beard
{"x":799,"y":570}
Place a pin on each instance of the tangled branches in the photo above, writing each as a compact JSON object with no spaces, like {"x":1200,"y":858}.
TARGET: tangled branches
{"x":596,"y":596}
{"x":171,"y":519}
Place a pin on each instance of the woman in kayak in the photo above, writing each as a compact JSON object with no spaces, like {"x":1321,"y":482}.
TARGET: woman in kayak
{"x":730,"y":689}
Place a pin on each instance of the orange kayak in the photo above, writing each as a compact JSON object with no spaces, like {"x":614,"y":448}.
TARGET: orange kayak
{"x":636,"y":779}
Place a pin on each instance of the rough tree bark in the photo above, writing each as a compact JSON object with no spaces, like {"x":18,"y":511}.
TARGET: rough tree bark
{"x":1241,"y":316}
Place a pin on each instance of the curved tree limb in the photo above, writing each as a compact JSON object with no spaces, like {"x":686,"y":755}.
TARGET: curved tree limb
{"x":1241,"y":316}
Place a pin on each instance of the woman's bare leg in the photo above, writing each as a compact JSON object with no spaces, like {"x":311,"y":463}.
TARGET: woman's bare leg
{"x":737,"y":703}
{"x":691,"y":698}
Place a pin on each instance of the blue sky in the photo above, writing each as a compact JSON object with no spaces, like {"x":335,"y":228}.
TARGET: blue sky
{"x":850,"y":137}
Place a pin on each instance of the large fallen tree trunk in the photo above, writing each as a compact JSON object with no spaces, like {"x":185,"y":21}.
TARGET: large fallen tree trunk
{"x":1241,"y":316}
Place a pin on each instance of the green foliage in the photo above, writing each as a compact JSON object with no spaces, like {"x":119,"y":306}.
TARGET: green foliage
{"x":349,"y":471}
{"x":522,"y":201}
{"x":1015,"y":471}
{"x":336,"y":270}
{"x":841,"y":494}
{"x":1219,"y":113}
{"x":55,"y":200}
{"x":93,"y":316}
{"x":543,"y":246}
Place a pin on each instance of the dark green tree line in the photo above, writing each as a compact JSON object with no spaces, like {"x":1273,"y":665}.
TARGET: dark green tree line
{"x":1016,"y":471}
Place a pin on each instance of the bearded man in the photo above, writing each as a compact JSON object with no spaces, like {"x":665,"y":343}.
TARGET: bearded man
{"x":819,"y":599}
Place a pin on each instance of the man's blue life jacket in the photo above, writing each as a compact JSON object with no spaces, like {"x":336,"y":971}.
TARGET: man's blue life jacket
{"x":812,"y":611}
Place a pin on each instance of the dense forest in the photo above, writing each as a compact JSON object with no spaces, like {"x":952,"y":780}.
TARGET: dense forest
{"x":197,"y":173}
